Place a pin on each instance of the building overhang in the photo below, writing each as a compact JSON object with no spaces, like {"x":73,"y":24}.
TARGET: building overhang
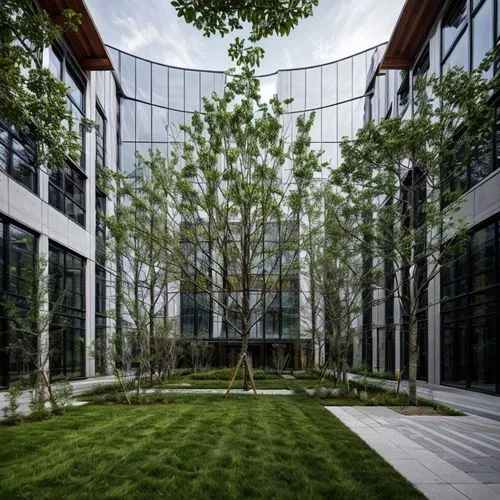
{"x":86,"y":44}
{"x":410,"y":32}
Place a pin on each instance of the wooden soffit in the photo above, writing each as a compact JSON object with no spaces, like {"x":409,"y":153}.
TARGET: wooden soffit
{"x":86,"y":43}
{"x":410,"y":32}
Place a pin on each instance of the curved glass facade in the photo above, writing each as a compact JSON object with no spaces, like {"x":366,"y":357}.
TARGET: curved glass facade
{"x":158,"y":98}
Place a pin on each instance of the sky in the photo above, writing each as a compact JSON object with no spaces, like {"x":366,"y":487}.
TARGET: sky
{"x":151,"y":29}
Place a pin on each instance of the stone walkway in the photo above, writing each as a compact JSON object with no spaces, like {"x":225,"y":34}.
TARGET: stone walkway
{"x":476,"y":403}
{"x":444,"y":457}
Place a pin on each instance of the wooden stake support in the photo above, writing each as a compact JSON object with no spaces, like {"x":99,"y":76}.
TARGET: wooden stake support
{"x":243,"y":359}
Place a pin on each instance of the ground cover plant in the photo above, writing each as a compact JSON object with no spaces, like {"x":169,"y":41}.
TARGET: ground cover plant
{"x":195,"y":447}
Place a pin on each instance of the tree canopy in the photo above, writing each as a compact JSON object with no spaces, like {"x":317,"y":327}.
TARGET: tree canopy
{"x":266,"y":17}
{"x":32,"y":99}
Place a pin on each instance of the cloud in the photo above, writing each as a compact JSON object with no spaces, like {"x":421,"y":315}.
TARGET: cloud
{"x":142,"y":38}
{"x":355,"y":26}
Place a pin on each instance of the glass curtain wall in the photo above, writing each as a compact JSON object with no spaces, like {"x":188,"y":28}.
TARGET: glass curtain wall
{"x":17,"y":258}
{"x":159,"y":98}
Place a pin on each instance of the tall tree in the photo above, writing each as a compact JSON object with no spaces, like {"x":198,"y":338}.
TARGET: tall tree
{"x":142,"y":235}
{"x":32,"y":99}
{"x":238,"y":220}
{"x":406,"y":172}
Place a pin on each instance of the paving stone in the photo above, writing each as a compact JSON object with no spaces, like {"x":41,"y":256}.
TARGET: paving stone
{"x":487,"y":477}
{"x":478,"y":491}
{"x":440,"y":492}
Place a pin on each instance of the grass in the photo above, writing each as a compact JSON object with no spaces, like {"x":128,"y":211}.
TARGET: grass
{"x":195,"y":447}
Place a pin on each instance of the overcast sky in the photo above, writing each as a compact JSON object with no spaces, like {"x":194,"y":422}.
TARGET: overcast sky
{"x":151,"y":29}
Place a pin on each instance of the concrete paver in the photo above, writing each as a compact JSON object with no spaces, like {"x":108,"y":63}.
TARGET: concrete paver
{"x":444,"y":457}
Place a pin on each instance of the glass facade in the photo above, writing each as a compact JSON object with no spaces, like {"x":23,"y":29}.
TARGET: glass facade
{"x":17,"y":157}
{"x":67,"y":330}
{"x":17,"y":258}
{"x":159,"y":98}
{"x":470,"y":287}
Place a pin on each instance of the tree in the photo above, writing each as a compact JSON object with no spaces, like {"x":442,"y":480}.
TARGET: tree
{"x":238,"y":221}
{"x":404,"y":175}
{"x":142,"y":236}
{"x":32,"y":99}
{"x":266,"y":17}
{"x":29,"y":320}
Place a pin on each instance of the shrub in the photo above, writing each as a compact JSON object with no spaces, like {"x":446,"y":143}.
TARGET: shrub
{"x":10,"y":411}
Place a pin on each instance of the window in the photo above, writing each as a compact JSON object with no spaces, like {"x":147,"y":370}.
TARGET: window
{"x":470,"y":287}
{"x":482,"y":33}
{"x":65,"y":68}
{"x":17,"y":157}
{"x":100,"y":319}
{"x":67,"y":330}
{"x":17,"y":258}
{"x":100,"y":227}
{"x":404,"y":95}
{"x":67,"y":193}
{"x":454,"y":22}
{"x":100,"y":141}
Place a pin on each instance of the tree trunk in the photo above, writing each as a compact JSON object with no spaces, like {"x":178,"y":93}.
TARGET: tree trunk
{"x":412,"y":359}
{"x":244,"y":351}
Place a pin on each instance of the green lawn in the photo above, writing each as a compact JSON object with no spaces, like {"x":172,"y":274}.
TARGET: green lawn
{"x":195,"y":447}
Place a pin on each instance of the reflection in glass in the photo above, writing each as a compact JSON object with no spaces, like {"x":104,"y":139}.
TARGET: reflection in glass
{"x":345,"y":79}
{"x":329,"y":125}
{"x":459,"y":56}
{"x":359,"y":75}
{"x":160,"y":85}
{"x":143,"y":80}
{"x":329,"y":84}
{"x":176,"y":88}
{"x":313,"y":85}
{"x":143,"y":115}
{"x":482,"y":34}
{"x":453,"y":22}
{"x":160,"y":121}
{"x":298,"y":83}
{"x":192,"y":97}
{"x":128,"y":120}
{"x":127,"y":74}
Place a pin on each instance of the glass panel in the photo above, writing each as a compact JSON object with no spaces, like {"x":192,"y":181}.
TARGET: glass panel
{"x":329,"y":84}
{"x":75,"y":90}
{"x":329,"y":125}
{"x":298,"y":82}
{"x":359,"y":75}
{"x":176,"y":88}
{"x":219,"y":83}
{"x":345,"y":80}
{"x":143,"y":80}
{"x":454,"y":356}
{"x":482,"y":34}
{"x":160,"y":122}
{"x":127,"y":74}
{"x":143,"y":125}
{"x":192,"y":90}
{"x":345,"y":119}
{"x":315,"y":132}
{"x":357,"y":115}
{"x":55,"y":64}
{"x":454,"y":20}
{"x":207,"y":85}
{"x":313,"y":87}
{"x":284,"y":91}
{"x":160,"y":85}
{"x":176,"y":119}
{"x":483,"y":354}
{"x":459,"y":55}
{"x":128,"y":120}
{"x":127,"y":157}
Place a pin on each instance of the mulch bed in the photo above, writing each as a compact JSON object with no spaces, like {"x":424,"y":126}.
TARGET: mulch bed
{"x":415,"y":410}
